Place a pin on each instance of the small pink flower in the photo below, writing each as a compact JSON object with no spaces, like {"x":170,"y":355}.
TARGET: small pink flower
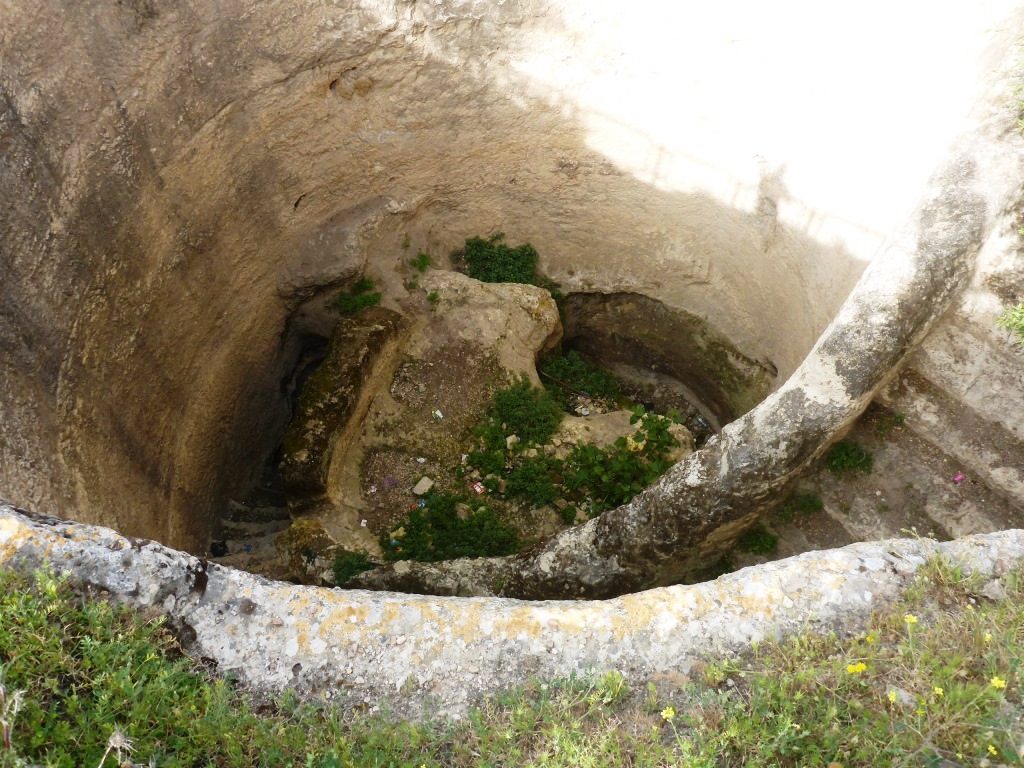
{"x":959,"y":477}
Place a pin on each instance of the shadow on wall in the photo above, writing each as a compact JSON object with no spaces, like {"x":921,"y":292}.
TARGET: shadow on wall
{"x":264,"y":154}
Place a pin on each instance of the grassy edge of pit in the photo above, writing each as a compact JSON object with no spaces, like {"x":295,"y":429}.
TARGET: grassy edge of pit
{"x":935,"y":678}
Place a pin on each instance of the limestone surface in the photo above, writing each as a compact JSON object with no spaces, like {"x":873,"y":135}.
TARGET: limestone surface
{"x":439,"y":655}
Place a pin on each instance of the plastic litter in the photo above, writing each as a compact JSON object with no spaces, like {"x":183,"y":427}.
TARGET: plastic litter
{"x":478,"y":487}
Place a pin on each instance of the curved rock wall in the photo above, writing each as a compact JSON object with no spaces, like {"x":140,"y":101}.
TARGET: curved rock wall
{"x":175,"y":179}
{"x":441,"y":654}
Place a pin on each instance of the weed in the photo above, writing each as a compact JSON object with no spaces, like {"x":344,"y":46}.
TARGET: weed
{"x":848,"y":457}
{"x":492,"y":261}
{"x":606,"y":478}
{"x":360,"y":296}
{"x":348,"y":565}
{"x":569,"y":375}
{"x":758,"y":541}
{"x":437,"y":532}
{"x":10,"y":703}
{"x":421,"y":262}
{"x":433,"y":298}
{"x":1012,"y":319}
{"x":799,"y":504}
{"x":527,"y":412}
{"x":568,"y":514}
{"x":534,"y":480}
{"x":599,"y":478}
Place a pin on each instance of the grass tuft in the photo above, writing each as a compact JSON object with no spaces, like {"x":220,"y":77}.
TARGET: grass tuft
{"x":1012,"y":319}
{"x":360,"y":296}
{"x":848,"y":457}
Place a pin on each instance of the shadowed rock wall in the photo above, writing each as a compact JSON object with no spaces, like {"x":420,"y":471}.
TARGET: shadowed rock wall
{"x":175,"y":180}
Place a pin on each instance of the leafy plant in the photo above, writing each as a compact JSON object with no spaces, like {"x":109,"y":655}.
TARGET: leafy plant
{"x":492,"y":261}
{"x":758,"y":541}
{"x":421,"y":262}
{"x":534,"y":480}
{"x":1012,"y":319}
{"x":848,"y":457}
{"x":348,"y":565}
{"x":433,"y":297}
{"x":526,"y":411}
{"x":568,"y":514}
{"x":360,"y":296}
{"x":568,"y":375}
{"x":437,"y":532}
{"x":605,"y":478}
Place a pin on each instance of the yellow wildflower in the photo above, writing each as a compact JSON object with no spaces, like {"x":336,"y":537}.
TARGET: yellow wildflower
{"x":937,"y":690}
{"x":870,"y":639}
{"x":856,"y":669}
{"x":987,"y":637}
{"x":910,"y":618}
{"x":997,"y":682}
{"x":920,"y":711}
{"x":892,"y":697}
{"x":667,"y":714}
{"x":992,"y":750}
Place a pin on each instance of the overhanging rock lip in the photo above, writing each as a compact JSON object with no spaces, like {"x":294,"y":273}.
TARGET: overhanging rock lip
{"x":441,"y":654}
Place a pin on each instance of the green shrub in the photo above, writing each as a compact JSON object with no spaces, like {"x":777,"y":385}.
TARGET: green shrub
{"x":436,"y":532}
{"x":421,"y":262}
{"x":606,"y":478}
{"x":758,"y":541}
{"x":527,"y":412}
{"x":534,"y":480}
{"x":348,"y":565}
{"x":568,"y":375}
{"x":360,"y":296}
{"x":1012,"y":319}
{"x":847,"y":457}
{"x":568,"y":514}
{"x":799,"y":504}
{"x":492,"y":261}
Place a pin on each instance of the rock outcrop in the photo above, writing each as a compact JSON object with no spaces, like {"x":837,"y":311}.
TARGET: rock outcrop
{"x":440,"y":655}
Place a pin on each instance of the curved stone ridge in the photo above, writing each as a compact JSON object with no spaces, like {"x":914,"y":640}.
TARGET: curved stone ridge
{"x":444,"y":653}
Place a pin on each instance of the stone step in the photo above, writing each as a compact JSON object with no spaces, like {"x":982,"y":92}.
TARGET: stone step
{"x":977,"y":365}
{"x":251,"y":549}
{"x":987,"y":450}
{"x":911,"y":488}
{"x":233,"y":529}
{"x":245,"y":513}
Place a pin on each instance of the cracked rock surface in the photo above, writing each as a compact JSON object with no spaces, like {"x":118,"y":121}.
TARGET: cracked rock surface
{"x":439,"y":655}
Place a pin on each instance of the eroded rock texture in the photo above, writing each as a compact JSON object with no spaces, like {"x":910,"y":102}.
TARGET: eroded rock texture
{"x":439,"y":655}
{"x":178,"y":181}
